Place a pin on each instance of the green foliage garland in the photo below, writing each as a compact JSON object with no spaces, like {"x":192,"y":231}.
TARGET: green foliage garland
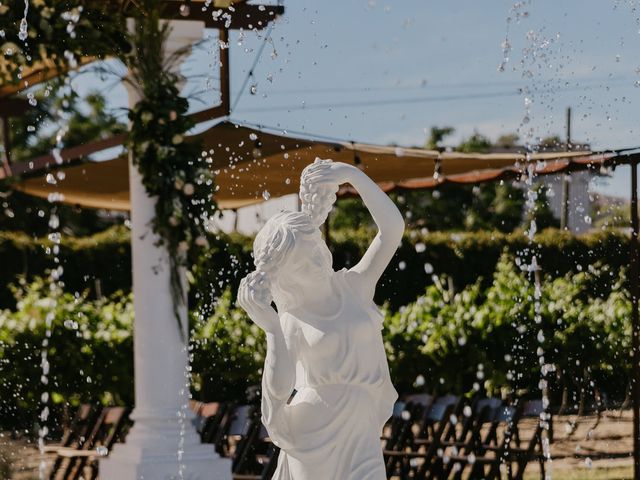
{"x":172,"y":169}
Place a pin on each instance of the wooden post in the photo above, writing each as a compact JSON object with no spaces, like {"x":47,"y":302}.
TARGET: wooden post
{"x":6,"y":143}
{"x":564,"y":212}
{"x":634,"y":290}
{"x":225,"y":81}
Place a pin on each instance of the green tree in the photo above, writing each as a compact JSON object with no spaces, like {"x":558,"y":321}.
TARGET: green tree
{"x":475,"y":143}
{"x":436,"y":135}
{"x":507,"y":140}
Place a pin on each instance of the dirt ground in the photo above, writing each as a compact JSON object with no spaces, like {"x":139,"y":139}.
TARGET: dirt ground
{"x":593,"y":450}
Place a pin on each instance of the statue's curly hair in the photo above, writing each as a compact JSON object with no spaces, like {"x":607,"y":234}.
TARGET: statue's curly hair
{"x":273,"y":243}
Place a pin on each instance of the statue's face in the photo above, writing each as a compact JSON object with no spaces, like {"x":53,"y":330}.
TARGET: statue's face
{"x":309,"y":259}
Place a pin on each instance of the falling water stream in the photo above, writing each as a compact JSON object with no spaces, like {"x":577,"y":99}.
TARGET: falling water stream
{"x":534,"y":55}
{"x":24,"y":26}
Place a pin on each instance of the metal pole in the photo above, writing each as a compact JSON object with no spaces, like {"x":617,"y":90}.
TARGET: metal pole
{"x":634,"y":287}
{"x":225,"y":83}
{"x":564,"y":213}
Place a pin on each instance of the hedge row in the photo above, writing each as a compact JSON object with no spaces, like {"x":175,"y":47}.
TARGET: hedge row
{"x":103,"y":261}
{"x":480,"y":338}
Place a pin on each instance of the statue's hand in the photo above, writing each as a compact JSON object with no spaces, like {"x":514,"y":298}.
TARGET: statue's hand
{"x":318,"y":188}
{"x":254,"y":296}
{"x":327,"y":174}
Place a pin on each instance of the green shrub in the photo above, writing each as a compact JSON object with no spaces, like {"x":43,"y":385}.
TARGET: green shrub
{"x":490,"y":339}
{"x":228,"y":352}
{"x":88,"y":352}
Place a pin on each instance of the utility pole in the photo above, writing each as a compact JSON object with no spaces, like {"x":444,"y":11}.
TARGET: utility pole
{"x":564,"y":213}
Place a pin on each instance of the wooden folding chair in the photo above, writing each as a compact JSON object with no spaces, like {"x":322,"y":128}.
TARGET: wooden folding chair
{"x":243,"y":427}
{"x":531,"y":448}
{"x":398,"y":434}
{"x":417,"y":459}
{"x":482,"y":413}
{"x":76,"y":433}
{"x":261,"y":458}
{"x":214,"y":420}
{"x":105,"y":432}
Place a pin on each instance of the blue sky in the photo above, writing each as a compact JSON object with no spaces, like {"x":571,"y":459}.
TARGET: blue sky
{"x":385,"y":71}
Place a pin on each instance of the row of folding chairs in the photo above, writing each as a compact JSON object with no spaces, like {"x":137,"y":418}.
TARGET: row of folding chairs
{"x":237,"y":432}
{"x":449,"y":437}
{"x":427,"y":437}
{"x":91,"y":434}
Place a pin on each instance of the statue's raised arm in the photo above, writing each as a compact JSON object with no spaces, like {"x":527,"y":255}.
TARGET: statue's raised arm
{"x":322,"y":179}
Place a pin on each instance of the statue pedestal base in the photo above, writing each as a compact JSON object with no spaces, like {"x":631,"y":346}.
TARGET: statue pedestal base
{"x":158,"y":450}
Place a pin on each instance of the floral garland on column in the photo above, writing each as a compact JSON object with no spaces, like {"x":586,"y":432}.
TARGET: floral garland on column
{"x":172,"y":169}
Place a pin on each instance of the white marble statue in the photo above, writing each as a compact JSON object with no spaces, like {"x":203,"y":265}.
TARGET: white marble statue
{"x":324,"y":343}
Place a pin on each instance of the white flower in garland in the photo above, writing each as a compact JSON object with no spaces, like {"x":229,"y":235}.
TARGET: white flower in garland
{"x":188,"y":189}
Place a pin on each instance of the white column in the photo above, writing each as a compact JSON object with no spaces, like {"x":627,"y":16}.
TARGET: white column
{"x":160,"y":445}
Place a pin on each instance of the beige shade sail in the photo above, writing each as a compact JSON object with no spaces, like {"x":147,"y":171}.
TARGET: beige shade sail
{"x":251,"y":165}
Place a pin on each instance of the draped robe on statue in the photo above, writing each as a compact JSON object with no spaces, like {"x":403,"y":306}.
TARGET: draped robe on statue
{"x":331,"y":428}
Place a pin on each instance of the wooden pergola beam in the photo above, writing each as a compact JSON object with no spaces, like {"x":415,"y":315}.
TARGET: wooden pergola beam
{"x":235,"y":17}
{"x":73,"y":154}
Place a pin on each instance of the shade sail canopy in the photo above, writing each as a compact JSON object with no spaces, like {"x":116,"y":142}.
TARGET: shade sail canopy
{"x":583,"y":161}
{"x":252,"y":164}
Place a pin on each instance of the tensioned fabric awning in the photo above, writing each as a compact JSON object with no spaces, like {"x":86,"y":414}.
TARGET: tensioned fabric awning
{"x":596,"y":162}
{"x":252,"y":164}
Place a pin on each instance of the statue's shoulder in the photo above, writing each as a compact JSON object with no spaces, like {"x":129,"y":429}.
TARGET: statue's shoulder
{"x":352,"y":282}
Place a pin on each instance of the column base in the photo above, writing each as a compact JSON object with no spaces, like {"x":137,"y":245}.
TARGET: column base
{"x":159,"y":448}
{"x":128,"y":462}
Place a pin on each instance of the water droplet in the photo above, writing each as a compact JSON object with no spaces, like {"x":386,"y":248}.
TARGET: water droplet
{"x":102,"y":451}
{"x":253,"y":136}
{"x":54,"y":221}
{"x":23,"y":33}
{"x":266,"y":195}
{"x":420,"y":247}
{"x":428,"y":268}
{"x":56,"y":155}
{"x":402,"y":265}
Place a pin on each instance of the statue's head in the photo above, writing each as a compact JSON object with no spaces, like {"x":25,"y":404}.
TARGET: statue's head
{"x":290,"y":251}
